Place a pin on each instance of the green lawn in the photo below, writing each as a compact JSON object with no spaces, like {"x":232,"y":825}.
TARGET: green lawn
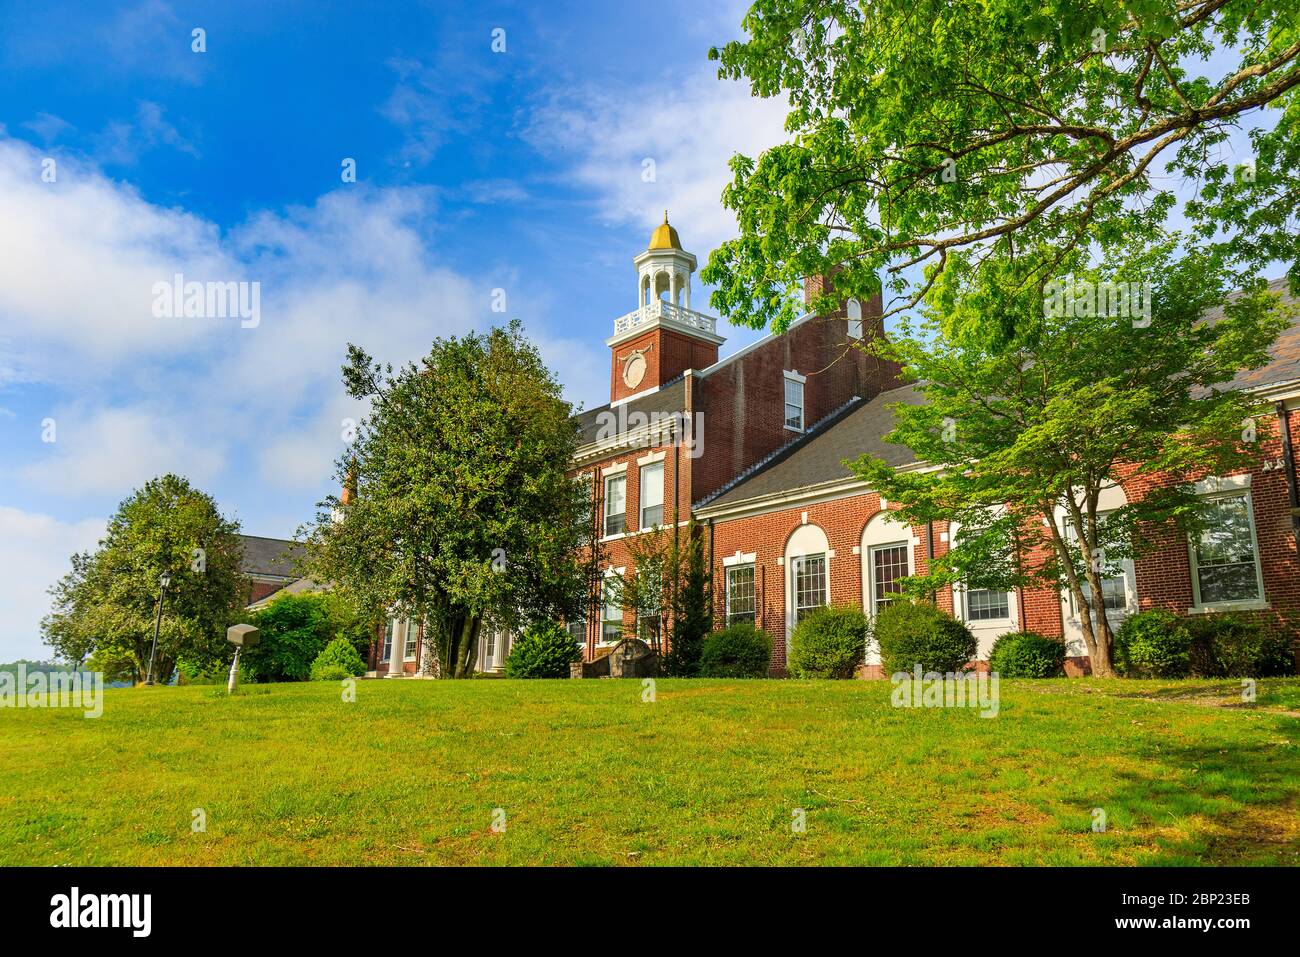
{"x":710,"y":773}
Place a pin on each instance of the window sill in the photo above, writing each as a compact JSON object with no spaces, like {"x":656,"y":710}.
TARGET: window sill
{"x":1250,"y":605}
{"x":613,"y":538}
{"x":791,"y":428}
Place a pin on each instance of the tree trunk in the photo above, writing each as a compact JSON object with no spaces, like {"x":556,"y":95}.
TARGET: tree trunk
{"x":430,"y":660}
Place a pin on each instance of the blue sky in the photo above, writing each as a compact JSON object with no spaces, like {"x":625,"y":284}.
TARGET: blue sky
{"x":476,"y":170}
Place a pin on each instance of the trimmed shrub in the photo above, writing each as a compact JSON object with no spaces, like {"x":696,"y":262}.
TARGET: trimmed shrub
{"x":1153,"y":644}
{"x":337,"y":660}
{"x":544,"y":650}
{"x":1027,"y":654}
{"x":741,"y":651}
{"x":1231,"y":646}
{"x":330,"y":673}
{"x":917,"y":633}
{"x":830,"y":643}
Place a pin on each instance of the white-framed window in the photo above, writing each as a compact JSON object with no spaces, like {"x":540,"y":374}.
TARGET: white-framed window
{"x":577,"y":628}
{"x":611,"y":612}
{"x":741,"y":605}
{"x":794,"y":384}
{"x":652,"y":495}
{"x":489,"y":639}
{"x":1225,"y":554}
{"x":889,"y":564}
{"x":1114,"y":587}
{"x":615,"y":504}
{"x":983,"y":604}
{"x":412,"y":639}
{"x":854,"y":310}
{"x":809,"y":578}
{"x":386,"y":654}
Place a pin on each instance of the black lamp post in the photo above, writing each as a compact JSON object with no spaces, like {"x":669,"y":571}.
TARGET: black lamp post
{"x":164,"y":580}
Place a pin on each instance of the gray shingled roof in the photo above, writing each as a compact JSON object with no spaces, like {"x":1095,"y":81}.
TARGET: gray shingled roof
{"x":669,"y":399}
{"x":275,"y":557}
{"x":817,"y":457}
{"x":301,"y":586}
{"x":1285,"y":364}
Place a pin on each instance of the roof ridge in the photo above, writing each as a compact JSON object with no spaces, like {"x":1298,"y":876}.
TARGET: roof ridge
{"x":779,"y":453}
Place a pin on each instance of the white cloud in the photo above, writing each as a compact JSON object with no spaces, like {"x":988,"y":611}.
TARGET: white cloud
{"x":34,"y":554}
{"x":690,"y":132}
{"x":112,"y":450}
{"x":123,"y":143}
{"x":205,"y":397}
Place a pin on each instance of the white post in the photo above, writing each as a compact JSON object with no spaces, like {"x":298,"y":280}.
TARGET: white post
{"x":398,"y":652}
{"x":234,"y":673}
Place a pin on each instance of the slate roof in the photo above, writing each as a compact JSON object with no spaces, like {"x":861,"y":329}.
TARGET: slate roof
{"x":670,"y":398}
{"x":817,"y":457}
{"x":272,"y":557}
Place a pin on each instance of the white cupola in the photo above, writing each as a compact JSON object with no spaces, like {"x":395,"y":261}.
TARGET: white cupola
{"x":664,"y":270}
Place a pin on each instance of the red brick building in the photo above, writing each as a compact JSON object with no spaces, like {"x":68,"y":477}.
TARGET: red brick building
{"x":683,"y":424}
{"x":752,"y":447}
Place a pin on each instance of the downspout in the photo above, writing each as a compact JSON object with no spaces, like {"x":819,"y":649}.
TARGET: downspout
{"x":929,"y":559}
{"x":593,"y":583}
{"x":1020,"y":592}
{"x":1288,"y":460}
{"x":713,"y":594}
{"x":677,"y":518}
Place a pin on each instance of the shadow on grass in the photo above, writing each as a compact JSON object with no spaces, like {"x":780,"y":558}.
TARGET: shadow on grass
{"x":1218,"y":803}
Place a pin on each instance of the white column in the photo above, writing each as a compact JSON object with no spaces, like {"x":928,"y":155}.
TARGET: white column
{"x":398,"y":653}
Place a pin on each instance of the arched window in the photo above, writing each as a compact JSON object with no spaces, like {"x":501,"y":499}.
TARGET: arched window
{"x":807,"y":574}
{"x":888,"y":551}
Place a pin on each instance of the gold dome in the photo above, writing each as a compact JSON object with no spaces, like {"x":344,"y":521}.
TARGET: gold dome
{"x":665,"y":237}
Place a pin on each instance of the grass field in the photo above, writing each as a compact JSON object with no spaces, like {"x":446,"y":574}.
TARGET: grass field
{"x":709,"y":773}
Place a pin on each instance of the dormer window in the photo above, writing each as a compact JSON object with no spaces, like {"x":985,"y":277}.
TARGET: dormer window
{"x":794,"y":383}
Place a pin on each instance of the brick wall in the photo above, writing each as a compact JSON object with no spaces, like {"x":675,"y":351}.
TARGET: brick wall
{"x":843,"y":521}
{"x":743,"y":401}
{"x":670,"y":354}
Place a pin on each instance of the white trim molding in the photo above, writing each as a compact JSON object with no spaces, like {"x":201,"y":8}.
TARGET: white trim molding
{"x":740,"y":558}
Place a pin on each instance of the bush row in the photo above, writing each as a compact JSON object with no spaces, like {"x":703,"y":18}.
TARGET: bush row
{"x":1160,"y":644}
{"x":831,"y":643}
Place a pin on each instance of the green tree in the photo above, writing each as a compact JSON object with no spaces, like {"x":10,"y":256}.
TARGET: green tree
{"x":1024,"y":429}
{"x":669,"y":585}
{"x":462,"y":510}
{"x":692,"y":610}
{"x":105,"y":606}
{"x":294,"y":629}
{"x":922,"y":128}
